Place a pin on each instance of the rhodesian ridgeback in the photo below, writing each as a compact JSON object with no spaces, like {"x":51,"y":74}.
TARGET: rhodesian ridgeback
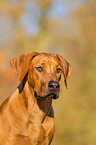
{"x":27,"y":117}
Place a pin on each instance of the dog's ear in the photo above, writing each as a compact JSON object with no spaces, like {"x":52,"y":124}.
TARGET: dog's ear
{"x":21,"y":64}
{"x":66,"y":68}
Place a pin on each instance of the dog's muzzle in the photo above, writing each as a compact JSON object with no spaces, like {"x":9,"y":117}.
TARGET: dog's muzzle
{"x":54,"y":88}
{"x":53,"y":92}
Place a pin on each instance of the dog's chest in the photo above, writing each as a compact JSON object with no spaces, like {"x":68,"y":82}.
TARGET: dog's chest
{"x":36,"y":133}
{"x":33,"y":135}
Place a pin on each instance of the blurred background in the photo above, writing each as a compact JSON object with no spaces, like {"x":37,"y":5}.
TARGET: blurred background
{"x":67,"y":27}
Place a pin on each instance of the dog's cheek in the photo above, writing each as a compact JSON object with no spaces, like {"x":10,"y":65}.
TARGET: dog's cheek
{"x":31,"y":79}
{"x":34,"y":82}
{"x":38,"y":86}
{"x":42,"y":87}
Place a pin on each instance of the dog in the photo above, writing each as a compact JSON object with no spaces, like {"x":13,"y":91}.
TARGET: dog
{"x":27,"y":116}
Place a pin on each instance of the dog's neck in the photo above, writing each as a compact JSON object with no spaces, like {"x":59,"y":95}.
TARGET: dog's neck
{"x":37,"y":109}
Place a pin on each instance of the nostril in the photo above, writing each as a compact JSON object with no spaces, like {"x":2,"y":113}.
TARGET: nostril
{"x":51,"y":85}
{"x":52,"y":88}
{"x":57,"y":87}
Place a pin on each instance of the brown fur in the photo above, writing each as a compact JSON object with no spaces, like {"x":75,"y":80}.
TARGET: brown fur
{"x":27,"y":117}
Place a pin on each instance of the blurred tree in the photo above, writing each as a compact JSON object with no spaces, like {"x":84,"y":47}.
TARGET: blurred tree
{"x":44,"y":7}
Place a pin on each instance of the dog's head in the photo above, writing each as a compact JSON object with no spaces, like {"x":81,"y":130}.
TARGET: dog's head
{"x":43,"y":72}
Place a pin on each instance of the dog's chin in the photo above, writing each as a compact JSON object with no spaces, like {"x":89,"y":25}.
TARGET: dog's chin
{"x":53,"y":96}
{"x":50,"y":95}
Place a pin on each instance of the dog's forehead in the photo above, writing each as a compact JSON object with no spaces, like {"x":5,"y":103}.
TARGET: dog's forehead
{"x":45,"y":59}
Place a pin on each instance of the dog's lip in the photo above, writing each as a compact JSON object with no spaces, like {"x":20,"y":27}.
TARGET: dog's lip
{"x":50,"y":95}
{"x":53,"y":96}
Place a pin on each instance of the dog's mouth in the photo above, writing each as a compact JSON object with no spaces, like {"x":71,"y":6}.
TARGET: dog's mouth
{"x":50,"y":95}
{"x":53,"y":96}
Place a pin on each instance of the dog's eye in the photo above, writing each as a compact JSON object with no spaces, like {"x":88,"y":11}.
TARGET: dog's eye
{"x":39,"y":68}
{"x":58,"y":70}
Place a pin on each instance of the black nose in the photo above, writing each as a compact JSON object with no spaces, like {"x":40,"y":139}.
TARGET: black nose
{"x":54,"y":86}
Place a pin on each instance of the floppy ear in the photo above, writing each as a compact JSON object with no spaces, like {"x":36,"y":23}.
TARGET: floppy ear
{"x":66,"y":68}
{"x":21,"y":64}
